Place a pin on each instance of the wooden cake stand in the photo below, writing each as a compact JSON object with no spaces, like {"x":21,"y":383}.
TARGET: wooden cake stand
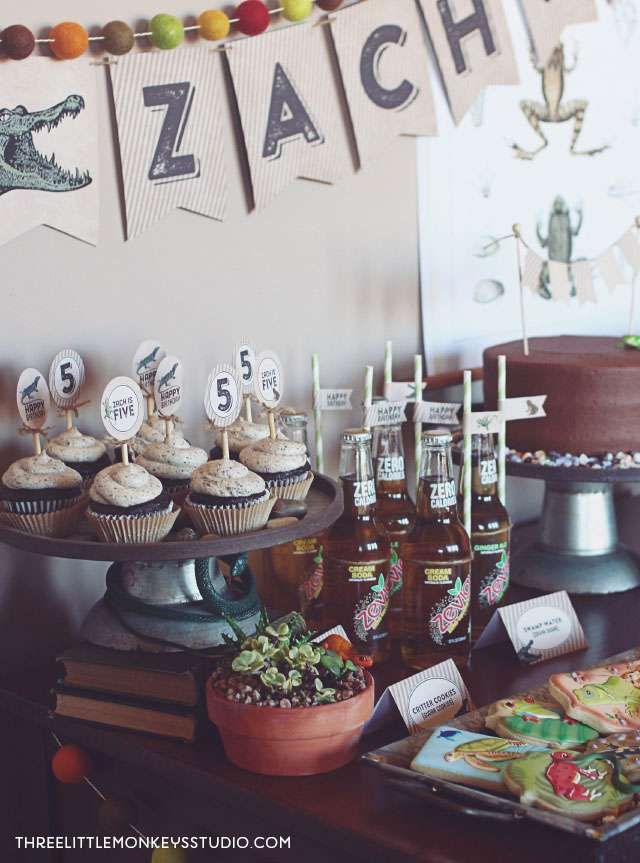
{"x":172,"y":595}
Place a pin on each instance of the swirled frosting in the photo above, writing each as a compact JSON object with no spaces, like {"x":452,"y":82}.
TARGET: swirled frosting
{"x":40,"y":471}
{"x":74,"y":446}
{"x":172,"y":459}
{"x":274,"y":456}
{"x":124,"y":485}
{"x":226,"y":478}
{"x":242,"y":433}
{"x":153,"y":430}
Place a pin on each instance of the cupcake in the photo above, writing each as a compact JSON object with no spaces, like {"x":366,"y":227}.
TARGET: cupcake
{"x":81,"y":452}
{"x":240,"y":434}
{"x":40,"y":494}
{"x":128,"y":504}
{"x":172,"y":462}
{"x":227,"y":499}
{"x":153,"y":430}
{"x":282,"y":464}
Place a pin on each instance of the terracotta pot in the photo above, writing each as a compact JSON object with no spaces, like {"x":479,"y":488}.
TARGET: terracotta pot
{"x":297,"y":741}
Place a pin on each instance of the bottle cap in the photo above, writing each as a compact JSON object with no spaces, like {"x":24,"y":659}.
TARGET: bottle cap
{"x":293,"y":418}
{"x":359,"y":435}
{"x":436,"y":437}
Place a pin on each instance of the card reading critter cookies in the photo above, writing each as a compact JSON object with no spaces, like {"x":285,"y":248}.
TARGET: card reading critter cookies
{"x":539,"y":628}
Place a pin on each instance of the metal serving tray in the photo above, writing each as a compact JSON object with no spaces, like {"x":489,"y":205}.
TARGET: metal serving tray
{"x":395,"y":759}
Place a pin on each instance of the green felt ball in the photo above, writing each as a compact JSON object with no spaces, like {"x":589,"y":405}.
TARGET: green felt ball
{"x":118,"y":37}
{"x":169,"y":855}
{"x":296,"y":10}
{"x":166,"y":31}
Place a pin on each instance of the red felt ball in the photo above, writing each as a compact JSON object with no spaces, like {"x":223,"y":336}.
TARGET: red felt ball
{"x":17,"y":41}
{"x":70,"y":764}
{"x":329,"y":5}
{"x":253,"y":17}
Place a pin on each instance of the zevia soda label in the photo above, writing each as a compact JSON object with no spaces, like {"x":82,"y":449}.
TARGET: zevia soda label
{"x":395,"y":573}
{"x":371,"y":609}
{"x":492,"y":559}
{"x":450,"y":610}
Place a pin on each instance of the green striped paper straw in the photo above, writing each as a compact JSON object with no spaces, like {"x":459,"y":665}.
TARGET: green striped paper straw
{"x":367,"y":399}
{"x":317,"y":412}
{"x":388,"y":362}
{"x":502,"y":434}
{"x":466,"y":463}
{"x":417,"y":427}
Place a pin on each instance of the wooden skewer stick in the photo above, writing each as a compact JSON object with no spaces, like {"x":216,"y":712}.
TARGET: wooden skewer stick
{"x":151,"y":406}
{"x":124,"y":449}
{"x":69,"y":418}
{"x":37,"y":443}
{"x":272,"y":425}
{"x":168,"y":428}
{"x":247,"y":408}
{"x":225,"y":445}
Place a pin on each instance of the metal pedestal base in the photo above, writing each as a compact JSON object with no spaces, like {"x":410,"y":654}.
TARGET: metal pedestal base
{"x":575,"y":546}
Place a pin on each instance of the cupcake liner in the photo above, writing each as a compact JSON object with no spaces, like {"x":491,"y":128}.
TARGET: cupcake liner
{"x":57,"y":523}
{"x":133,"y":528}
{"x":229,"y":520}
{"x":296,"y":490}
{"x":40,"y":506}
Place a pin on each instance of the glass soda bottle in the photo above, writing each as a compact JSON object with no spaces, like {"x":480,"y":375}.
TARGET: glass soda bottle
{"x":395,"y":511}
{"x":357,"y":561}
{"x":436,"y":558}
{"x":490,"y":531}
{"x":298,"y":566}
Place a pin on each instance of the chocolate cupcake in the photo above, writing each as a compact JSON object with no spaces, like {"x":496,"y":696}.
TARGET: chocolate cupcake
{"x":83,"y":453}
{"x":153,"y":430}
{"x":227,"y":499}
{"x":240,"y":434}
{"x":282,"y":464}
{"x":128,"y":504}
{"x":40,"y":494}
{"x":173,"y":462}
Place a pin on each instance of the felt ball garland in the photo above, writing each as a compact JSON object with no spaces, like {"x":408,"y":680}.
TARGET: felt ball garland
{"x":253,"y":17}
{"x":329,"y":5}
{"x":214,"y":25}
{"x":70,"y":764}
{"x":118,"y":38}
{"x":167,"y":31}
{"x":69,"y":40}
{"x":296,"y":10}
{"x":18,"y":42}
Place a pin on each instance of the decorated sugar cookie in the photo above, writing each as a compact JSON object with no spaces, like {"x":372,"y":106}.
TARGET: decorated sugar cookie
{"x":626,"y":745}
{"x":606,"y":698}
{"x":534,"y":722}
{"x":469,"y":759}
{"x":570,"y":783}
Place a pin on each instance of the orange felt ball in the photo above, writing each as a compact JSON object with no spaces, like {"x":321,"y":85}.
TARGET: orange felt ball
{"x":70,"y":764}
{"x":70,"y":40}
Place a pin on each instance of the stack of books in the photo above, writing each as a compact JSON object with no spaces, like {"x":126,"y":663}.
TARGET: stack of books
{"x":155,"y":693}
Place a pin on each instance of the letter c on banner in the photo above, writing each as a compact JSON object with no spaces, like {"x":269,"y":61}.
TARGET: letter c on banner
{"x":374,"y":47}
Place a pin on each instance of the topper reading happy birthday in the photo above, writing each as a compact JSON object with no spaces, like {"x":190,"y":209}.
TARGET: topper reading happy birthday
{"x":148,"y":356}
{"x":168,"y":386}
{"x":32,"y":395}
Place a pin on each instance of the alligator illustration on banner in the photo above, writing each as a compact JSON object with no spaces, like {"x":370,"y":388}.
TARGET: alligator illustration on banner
{"x":22,"y":166}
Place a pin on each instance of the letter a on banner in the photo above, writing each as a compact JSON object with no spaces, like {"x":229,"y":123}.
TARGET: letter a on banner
{"x":48,"y":112}
{"x":383,"y":60}
{"x":473,"y":47}
{"x":289,"y":109}
{"x":168,"y":109}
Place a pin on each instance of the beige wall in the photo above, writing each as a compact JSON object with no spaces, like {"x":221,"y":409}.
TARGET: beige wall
{"x":324,"y":269}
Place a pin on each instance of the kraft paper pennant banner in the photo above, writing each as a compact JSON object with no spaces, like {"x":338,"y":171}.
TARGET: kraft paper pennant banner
{"x":531,"y":271}
{"x":383,"y":62}
{"x":547,"y":19}
{"x":473,"y":48}
{"x":630,"y":248}
{"x":440,"y":413}
{"x":400,"y":391}
{"x":168,"y":109}
{"x":385,"y":414}
{"x":482,"y":422}
{"x":523,"y":408}
{"x":559,"y":281}
{"x":583,"y":274}
{"x":428,"y":698}
{"x":333,"y":400}
{"x":49,"y":158}
{"x":288,"y":99}
{"x":539,"y":628}
{"x":609,"y":270}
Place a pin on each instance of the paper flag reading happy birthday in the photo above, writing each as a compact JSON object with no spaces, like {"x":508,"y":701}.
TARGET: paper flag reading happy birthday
{"x":168,"y":109}
{"x":333,"y":400}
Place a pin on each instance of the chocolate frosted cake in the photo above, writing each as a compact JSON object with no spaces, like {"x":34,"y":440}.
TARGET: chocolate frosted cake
{"x":592,"y":385}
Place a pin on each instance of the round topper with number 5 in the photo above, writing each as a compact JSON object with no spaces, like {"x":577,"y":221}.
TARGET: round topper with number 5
{"x":222,"y":399}
{"x":267,"y":384}
{"x":66,"y":376}
{"x":244,"y":359}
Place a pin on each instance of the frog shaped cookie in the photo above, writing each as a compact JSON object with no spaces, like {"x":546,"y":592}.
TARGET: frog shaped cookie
{"x":531,"y":721}
{"x":626,"y":745}
{"x":606,"y":698}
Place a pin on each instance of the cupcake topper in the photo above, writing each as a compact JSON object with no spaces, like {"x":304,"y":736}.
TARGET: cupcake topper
{"x":66,"y":376}
{"x":122,"y":411}
{"x":244,"y":359}
{"x":167,"y":390}
{"x":222,"y":400}
{"x":32,"y":395}
{"x":268,"y":384}
{"x":146,"y":360}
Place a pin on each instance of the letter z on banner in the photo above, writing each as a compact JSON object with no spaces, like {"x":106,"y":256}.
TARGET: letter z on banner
{"x":383,"y":60}
{"x":473,"y":46}
{"x":168,"y":108}
{"x":288,"y":101}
